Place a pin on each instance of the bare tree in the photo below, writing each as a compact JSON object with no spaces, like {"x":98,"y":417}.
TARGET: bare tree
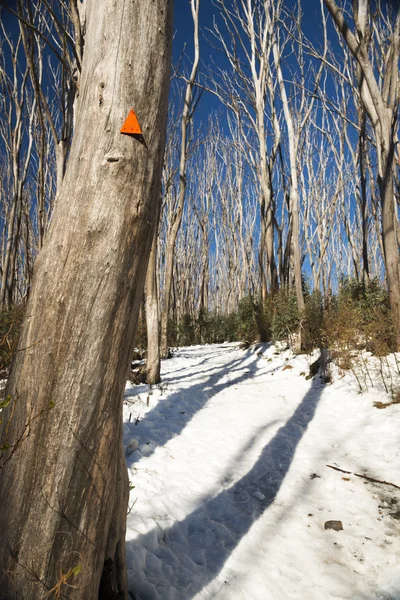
{"x":64,"y":483}
{"x":40,"y":25}
{"x":176,"y":221}
{"x":16,"y":134}
{"x":153,"y":361}
{"x":380,"y":96}
{"x":249,"y":90}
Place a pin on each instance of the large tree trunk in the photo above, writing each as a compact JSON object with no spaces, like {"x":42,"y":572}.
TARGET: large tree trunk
{"x":63,"y":492}
{"x":389,"y":234}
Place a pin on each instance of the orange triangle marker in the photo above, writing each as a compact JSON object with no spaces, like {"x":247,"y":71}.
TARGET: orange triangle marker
{"x":131,"y":125}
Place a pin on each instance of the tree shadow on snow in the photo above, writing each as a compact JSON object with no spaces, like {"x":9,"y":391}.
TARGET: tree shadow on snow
{"x":170,"y":416}
{"x":191,"y":553}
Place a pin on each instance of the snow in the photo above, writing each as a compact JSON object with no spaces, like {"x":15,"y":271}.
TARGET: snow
{"x":228,"y":458}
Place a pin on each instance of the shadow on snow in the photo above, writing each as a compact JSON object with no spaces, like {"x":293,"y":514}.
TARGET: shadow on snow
{"x":170,"y":416}
{"x":193,"y":551}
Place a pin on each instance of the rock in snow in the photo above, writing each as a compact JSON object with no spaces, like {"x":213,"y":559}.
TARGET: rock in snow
{"x":335,"y":525}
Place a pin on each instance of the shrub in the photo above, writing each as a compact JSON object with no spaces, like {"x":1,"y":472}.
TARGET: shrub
{"x":313,"y":321}
{"x":186,"y":331}
{"x":359,"y":318}
{"x":285,"y":318}
{"x":247,"y":325}
{"x":10,"y":327}
{"x":361,"y":314}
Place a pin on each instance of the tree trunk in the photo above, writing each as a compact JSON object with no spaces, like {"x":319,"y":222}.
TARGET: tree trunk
{"x":294,"y":187}
{"x":169,"y":267}
{"x":362,"y":151}
{"x":381,"y":107}
{"x":64,"y":483}
{"x":187,"y":115}
{"x":152,"y":318}
{"x":8,"y":252}
{"x":389,"y":237}
{"x":262,"y":250}
{"x":12,"y":279}
{"x":266,"y":187}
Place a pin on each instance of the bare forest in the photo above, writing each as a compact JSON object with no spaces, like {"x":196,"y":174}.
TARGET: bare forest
{"x":259,"y":201}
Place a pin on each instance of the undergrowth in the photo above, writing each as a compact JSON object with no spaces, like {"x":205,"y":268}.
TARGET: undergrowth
{"x":10,"y":326}
{"x":354,"y":323}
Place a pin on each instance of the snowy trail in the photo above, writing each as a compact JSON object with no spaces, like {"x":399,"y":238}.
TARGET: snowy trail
{"x":232,"y":490}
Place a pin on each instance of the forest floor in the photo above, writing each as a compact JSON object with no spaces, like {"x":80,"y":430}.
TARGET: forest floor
{"x":228,"y":458}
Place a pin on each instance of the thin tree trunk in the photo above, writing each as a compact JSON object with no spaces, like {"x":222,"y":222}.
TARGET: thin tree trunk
{"x":187,"y":114}
{"x":169,"y":267}
{"x":8,"y":251}
{"x":261,"y":252}
{"x":64,"y":482}
{"x":294,"y":187}
{"x":13,"y":262}
{"x":152,"y":318}
{"x":364,"y":205}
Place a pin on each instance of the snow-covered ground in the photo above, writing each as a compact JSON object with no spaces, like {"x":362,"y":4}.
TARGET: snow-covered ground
{"x":228,"y":459}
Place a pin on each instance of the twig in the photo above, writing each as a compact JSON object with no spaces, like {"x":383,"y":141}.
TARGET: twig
{"x":377,"y":480}
{"x":337,"y":469}
{"x":365,"y":477}
{"x":132,"y":505}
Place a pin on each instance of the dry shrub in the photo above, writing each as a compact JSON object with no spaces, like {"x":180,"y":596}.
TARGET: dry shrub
{"x":341,"y":334}
{"x":10,"y":327}
{"x":358,"y":319}
{"x":395,"y":400}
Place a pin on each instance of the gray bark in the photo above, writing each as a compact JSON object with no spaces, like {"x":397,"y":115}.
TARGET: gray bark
{"x":64,"y":483}
{"x":153,"y":362}
{"x":294,"y":188}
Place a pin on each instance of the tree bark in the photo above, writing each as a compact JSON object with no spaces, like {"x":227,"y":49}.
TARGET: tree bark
{"x":152,"y":318}
{"x":267,"y":209}
{"x":294,"y":187}
{"x":389,"y":237}
{"x":64,"y":483}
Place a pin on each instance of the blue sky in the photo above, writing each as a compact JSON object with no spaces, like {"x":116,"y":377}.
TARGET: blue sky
{"x":183,"y":38}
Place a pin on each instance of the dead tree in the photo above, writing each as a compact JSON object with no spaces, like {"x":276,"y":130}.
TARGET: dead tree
{"x":153,"y":361}
{"x":175,"y":224}
{"x":64,"y":483}
{"x":16,"y":135}
{"x":380,"y":96}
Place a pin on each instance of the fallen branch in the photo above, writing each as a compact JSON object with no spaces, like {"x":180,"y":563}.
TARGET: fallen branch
{"x":377,"y":480}
{"x":372,"y":479}
{"x":337,"y":469}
